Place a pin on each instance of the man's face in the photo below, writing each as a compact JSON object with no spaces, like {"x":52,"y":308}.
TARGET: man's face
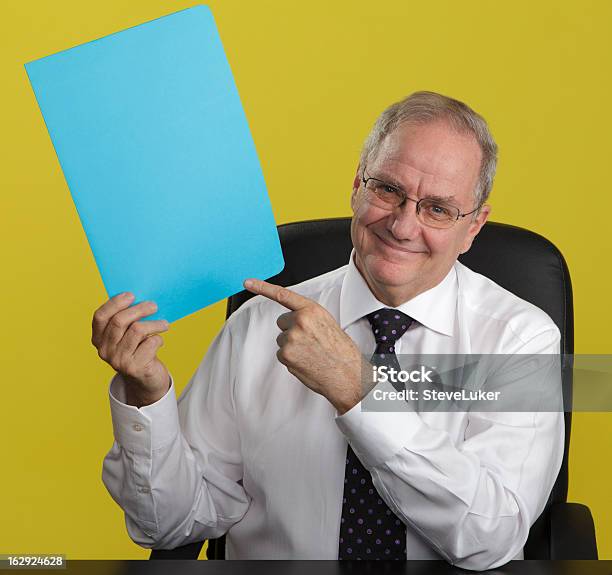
{"x":399,"y":256}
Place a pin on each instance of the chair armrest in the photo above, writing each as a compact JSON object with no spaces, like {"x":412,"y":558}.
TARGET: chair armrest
{"x":572,"y":532}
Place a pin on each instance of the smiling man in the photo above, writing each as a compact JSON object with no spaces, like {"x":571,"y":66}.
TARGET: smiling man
{"x":269,"y":442}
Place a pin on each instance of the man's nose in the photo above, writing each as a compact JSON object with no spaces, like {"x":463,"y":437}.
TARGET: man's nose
{"x":404,"y":222}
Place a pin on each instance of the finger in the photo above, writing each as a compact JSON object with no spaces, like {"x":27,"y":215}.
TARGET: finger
{"x":280,"y":355}
{"x":147,"y":350}
{"x":121,"y":321}
{"x":282,"y":339}
{"x":281,"y":295}
{"x":103,"y":314}
{"x":285,"y":320}
{"x":137,"y":333}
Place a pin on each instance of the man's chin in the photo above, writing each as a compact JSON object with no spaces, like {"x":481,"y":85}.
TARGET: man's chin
{"x":390,"y":271}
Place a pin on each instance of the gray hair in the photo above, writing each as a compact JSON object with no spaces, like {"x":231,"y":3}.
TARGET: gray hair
{"x":425,"y":107}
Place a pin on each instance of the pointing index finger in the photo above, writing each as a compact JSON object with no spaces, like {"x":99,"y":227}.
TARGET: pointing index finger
{"x":290,"y":299}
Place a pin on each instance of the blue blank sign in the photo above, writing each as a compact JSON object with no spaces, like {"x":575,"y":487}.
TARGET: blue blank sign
{"x":156,"y":150}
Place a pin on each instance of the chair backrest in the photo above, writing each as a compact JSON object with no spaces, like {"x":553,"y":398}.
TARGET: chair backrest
{"x":521,"y":261}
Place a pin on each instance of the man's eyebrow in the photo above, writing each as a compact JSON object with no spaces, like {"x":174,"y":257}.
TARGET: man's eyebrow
{"x":393,"y":182}
{"x":438,"y":198}
{"x":390,"y":180}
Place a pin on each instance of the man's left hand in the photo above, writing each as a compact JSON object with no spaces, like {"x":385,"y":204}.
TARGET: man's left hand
{"x":313,"y":347}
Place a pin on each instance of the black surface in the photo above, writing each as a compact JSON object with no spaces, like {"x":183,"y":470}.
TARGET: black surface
{"x":325,"y":568}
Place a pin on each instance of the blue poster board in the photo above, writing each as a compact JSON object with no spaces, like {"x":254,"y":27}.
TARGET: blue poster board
{"x":156,"y":150}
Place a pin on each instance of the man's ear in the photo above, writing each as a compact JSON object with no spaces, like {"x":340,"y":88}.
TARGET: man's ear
{"x":356,"y":184}
{"x":475,"y":227}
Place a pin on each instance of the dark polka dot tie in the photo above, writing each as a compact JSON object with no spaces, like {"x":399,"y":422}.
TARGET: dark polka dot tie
{"x":368,"y":528}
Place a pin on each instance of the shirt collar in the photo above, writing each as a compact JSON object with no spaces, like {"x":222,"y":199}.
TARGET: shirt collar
{"x":434,"y":308}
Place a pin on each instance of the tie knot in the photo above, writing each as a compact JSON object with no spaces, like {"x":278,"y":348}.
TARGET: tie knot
{"x":388,"y":325}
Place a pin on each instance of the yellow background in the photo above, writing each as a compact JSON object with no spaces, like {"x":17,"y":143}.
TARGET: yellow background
{"x":313,"y":75}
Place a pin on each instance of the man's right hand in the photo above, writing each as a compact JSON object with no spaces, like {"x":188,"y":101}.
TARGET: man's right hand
{"x":130,"y":346}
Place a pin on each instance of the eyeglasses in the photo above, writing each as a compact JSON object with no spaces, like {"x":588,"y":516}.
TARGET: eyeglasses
{"x":430,"y":212}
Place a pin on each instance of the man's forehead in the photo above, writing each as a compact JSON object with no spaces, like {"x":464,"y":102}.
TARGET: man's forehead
{"x":432,"y":154}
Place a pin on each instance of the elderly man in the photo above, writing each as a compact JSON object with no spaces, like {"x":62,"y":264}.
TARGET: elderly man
{"x":269,"y":442}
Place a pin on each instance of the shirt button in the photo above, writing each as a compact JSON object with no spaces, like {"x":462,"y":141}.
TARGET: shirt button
{"x":137,"y":427}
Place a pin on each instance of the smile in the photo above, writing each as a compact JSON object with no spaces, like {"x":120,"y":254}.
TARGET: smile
{"x":394,"y":247}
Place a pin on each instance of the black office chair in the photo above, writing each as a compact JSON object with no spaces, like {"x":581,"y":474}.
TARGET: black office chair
{"x":521,"y":261}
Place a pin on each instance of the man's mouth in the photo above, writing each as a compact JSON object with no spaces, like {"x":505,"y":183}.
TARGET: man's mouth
{"x":396,"y":247}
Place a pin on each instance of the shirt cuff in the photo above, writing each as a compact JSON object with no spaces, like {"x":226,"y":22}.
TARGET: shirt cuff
{"x":145,"y":429}
{"x":377,"y":436}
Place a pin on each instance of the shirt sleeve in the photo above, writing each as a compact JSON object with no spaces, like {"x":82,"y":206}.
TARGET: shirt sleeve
{"x":175,"y":467}
{"x":473,"y":501}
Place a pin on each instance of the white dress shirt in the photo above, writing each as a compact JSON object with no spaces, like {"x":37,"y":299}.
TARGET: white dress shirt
{"x":250,"y":451}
